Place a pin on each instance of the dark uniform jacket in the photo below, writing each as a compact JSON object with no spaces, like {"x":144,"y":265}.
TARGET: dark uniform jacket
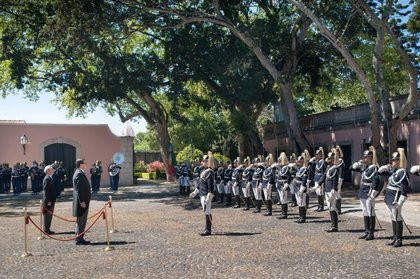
{"x":331,"y":178}
{"x":283,"y":176}
{"x":370,"y":180}
{"x":398,"y":184}
{"x":81,"y":192}
{"x":206,"y":182}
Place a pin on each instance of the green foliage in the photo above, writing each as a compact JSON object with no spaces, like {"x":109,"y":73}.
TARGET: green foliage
{"x":144,"y":141}
{"x":189,"y":154}
{"x":140,"y":167}
{"x":220,"y":158}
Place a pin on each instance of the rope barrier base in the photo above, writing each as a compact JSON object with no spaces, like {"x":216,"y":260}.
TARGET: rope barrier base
{"x":109,"y":248}
{"x":41,"y":237}
{"x":25,"y":254}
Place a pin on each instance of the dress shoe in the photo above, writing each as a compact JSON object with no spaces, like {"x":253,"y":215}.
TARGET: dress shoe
{"x":82,"y":242}
{"x":49,"y":232}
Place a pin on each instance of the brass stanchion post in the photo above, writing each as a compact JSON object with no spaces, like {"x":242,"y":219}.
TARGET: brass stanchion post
{"x":26,"y":221}
{"x":112,"y":216}
{"x":108,"y":248}
{"x":41,"y":223}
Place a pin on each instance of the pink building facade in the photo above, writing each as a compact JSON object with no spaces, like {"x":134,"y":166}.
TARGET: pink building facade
{"x":349,"y":128}
{"x":66,"y":143}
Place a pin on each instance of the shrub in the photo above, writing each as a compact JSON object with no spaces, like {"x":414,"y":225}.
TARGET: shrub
{"x":156,"y":165}
{"x":140,"y":167}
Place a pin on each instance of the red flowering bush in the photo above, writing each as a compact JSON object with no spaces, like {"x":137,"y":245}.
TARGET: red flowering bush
{"x":156,"y":165}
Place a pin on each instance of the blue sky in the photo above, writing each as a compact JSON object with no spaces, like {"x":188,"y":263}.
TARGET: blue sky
{"x":15,"y":107}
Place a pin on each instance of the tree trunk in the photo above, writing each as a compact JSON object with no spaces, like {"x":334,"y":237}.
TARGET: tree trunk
{"x":361,"y":75}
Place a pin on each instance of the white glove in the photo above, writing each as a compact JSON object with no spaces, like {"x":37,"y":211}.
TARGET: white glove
{"x":355,"y":166}
{"x":315,"y":187}
{"x":312,"y":160}
{"x":373,"y":194}
{"x":301,"y":190}
{"x":194,"y":193}
{"x":209,"y":196}
{"x":332,"y":192}
{"x":400,"y":202}
{"x":415,"y":170}
{"x":385,"y":169}
{"x":286,"y":186}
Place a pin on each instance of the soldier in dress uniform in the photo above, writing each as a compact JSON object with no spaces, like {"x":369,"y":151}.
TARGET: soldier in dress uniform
{"x":219,"y":179}
{"x":179,"y":177}
{"x":245,"y":172}
{"x":340,"y":168}
{"x":320,"y":168}
{"x":283,"y":180}
{"x":16,"y":179}
{"x":2,"y":179}
{"x":330,"y":181}
{"x":268,"y":180}
{"x":369,"y":190}
{"x":24,"y":174}
{"x":196,"y":173}
{"x":186,"y":172}
{"x":95,"y":176}
{"x":257,"y":183}
{"x":396,"y":193}
{"x":293,"y":171}
{"x":300,"y":184}
{"x":236,"y":184}
{"x":34,"y":181}
{"x":206,"y":190}
{"x":8,"y":177}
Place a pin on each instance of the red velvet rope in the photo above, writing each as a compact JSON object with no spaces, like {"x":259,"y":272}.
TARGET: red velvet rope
{"x":67,"y":220}
{"x":66,"y":239}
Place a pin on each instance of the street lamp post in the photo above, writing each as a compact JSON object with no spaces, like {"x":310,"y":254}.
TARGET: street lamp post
{"x":24,"y":141}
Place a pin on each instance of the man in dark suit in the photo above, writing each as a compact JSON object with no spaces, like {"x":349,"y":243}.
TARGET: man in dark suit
{"x":81,"y":199}
{"x":48,"y":198}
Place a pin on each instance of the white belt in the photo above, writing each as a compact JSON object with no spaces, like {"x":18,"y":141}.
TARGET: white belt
{"x":393,"y":188}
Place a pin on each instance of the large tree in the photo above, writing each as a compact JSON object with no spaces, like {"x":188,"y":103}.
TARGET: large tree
{"x":81,"y":51}
{"x":243,"y":20}
{"x":392,"y":121}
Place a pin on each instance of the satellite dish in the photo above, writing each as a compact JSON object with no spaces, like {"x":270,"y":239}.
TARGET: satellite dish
{"x":118,"y":158}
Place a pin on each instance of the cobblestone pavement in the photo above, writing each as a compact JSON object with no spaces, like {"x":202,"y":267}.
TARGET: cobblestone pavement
{"x":157,"y":237}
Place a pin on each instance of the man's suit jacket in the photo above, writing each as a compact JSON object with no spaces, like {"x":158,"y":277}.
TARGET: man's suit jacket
{"x":49,"y":194}
{"x":81,"y":192}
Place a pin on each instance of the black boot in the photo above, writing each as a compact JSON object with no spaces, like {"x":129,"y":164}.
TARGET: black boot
{"x":372,"y":222}
{"x":294,"y":201}
{"x":302,"y":214}
{"x":307,"y":201}
{"x":334,"y":222}
{"x":269,"y":208}
{"x":319,"y":203}
{"x":258,"y":206}
{"x":338,"y":205}
{"x":180,"y":189}
{"x":238,"y":202}
{"x":394,"y":233}
{"x":283,"y":211}
{"x":220,"y":199}
{"x":228,"y":201}
{"x":366,"y":221}
{"x":247,"y":203}
{"x":398,"y":241}
{"x":188,"y":190}
{"x":207,"y":231}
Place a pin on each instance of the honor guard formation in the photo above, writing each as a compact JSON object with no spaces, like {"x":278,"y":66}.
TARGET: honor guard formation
{"x":249,"y":183}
